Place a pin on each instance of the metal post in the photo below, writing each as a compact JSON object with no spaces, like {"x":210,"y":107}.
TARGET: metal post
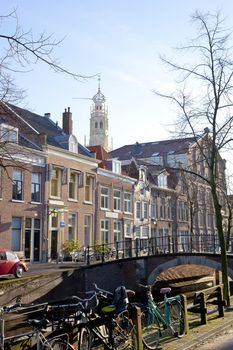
{"x":117,"y":250}
{"x":87,"y":257}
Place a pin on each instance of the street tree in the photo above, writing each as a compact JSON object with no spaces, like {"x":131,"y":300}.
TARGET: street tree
{"x":204,"y":99}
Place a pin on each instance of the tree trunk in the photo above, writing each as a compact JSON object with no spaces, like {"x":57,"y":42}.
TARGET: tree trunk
{"x":223,"y":248}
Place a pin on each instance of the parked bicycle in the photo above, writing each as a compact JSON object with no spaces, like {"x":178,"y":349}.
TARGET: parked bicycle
{"x":112,"y":325}
{"x":38,"y":338}
{"x":154,"y":319}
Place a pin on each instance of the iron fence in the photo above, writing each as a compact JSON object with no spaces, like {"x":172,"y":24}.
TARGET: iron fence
{"x":128,"y":248}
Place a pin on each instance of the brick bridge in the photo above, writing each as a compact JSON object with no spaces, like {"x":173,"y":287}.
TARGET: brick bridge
{"x":108,"y":275}
{"x":146,"y":269}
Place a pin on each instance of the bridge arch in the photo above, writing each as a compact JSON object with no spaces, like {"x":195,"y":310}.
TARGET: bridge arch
{"x":186,"y":260}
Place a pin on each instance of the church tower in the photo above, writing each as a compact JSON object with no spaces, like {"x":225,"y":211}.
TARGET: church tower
{"x":99,"y":121}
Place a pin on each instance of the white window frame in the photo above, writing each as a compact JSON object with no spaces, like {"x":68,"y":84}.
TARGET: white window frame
{"x":73,"y":184}
{"x":34,"y":185}
{"x":105,"y":231}
{"x":88,"y":188}
{"x":56,"y":182}
{"x":128,"y":229}
{"x":72,"y":226}
{"x":138,"y":210}
{"x":116,"y":200}
{"x":128,"y":202}
{"x":116,"y":166}
{"x":162,"y":180}
{"x":104,"y":197}
{"x":87,"y":230}
{"x":16,"y":182}
{"x":117,"y":229}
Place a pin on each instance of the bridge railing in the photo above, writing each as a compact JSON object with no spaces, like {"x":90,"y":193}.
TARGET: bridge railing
{"x":164,"y":244}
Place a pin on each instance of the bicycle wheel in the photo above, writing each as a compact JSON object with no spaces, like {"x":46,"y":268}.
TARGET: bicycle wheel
{"x":177,"y":319}
{"x":150,"y":330}
{"x":84,"y":341}
{"x":60,"y":344}
{"x":128,"y":340}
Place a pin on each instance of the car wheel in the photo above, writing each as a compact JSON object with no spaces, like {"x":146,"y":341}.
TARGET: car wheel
{"x":19,"y":271}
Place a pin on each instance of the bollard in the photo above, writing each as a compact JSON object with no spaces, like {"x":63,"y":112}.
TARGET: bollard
{"x":137,"y":322}
{"x":184,"y":304}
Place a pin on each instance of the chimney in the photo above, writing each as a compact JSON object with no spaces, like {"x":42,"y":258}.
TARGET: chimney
{"x":67,"y":122}
{"x":47,"y":115}
{"x":43,"y":139}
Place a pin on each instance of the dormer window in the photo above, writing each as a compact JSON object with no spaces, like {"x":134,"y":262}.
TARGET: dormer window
{"x":8,"y":133}
{"x":162,"y":180}
{"x":116,"y":166}
{"x":73,"y":144}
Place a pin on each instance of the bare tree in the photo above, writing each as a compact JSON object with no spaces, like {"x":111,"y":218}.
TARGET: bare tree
{"x":204,"y":99}
{"x":19,"y":50}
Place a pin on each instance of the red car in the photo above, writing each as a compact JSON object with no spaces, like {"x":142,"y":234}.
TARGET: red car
{"x":10,"y":264}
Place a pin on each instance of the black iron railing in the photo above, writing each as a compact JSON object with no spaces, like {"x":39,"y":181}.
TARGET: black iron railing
{"x":129,"y":248}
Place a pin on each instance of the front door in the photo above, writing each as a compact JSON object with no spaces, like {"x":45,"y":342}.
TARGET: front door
{"x":27,"y":248}
{"x":54,"y":244}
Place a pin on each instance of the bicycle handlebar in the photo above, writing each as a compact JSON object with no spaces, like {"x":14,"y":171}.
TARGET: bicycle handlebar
{"x":102,"y":291}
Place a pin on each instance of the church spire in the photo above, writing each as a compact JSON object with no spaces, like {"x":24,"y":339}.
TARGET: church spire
{"x":99,"y":120}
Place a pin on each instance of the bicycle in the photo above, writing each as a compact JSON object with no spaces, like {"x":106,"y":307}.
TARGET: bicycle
{"x":112,"y":325}
{"x":36,"y":339}
{"x":153,"y":318}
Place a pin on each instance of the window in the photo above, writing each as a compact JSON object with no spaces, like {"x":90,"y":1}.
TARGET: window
{"x":138,"y":210}
{"x":117,"y":231}
{"x":73,"y":185}
{"x":105,"y":234}
{"x":169,"y":209}
{"x":87,"y":230}
{"x":145,"y":231}
{"x":116,"y":166}
{"x":146,"y":211}
{"x":56,"y":183}
{"x":101,"y":125}
{"x":17,"y":192}
{"x":154,"y":208}
{"x":73,"y":144}
{"x":128,"y":202}
{"x":36,"y":188}
{"x":162,"y":180}
{"x":117,"y":200}
{"x":182,"y":211}
{"x":104,"y":198}
{"x":89,"y":188}
{"x":72,"y":226}
{"x":162,"y":208}
{"x":96,"y":124}
{"x":128,"y":229}
{"x":210,"y":219}
{"x":8,"y":133}
{"x":16,"y":233}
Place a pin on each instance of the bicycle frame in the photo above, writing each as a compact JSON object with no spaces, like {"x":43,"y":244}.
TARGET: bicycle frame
{"x":154,"y":310}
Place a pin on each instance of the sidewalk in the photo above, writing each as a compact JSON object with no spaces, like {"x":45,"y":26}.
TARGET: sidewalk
{"x":198,"y":334}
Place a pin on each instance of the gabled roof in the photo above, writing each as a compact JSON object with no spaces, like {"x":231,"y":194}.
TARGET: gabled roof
{"x":43,"y":125}
{"x":153,"y":149}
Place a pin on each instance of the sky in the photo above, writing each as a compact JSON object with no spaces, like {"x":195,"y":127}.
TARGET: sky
{"x":122,"y":41}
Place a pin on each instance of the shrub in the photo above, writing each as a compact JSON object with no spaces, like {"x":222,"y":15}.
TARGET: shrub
{"x":71,"y":245}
